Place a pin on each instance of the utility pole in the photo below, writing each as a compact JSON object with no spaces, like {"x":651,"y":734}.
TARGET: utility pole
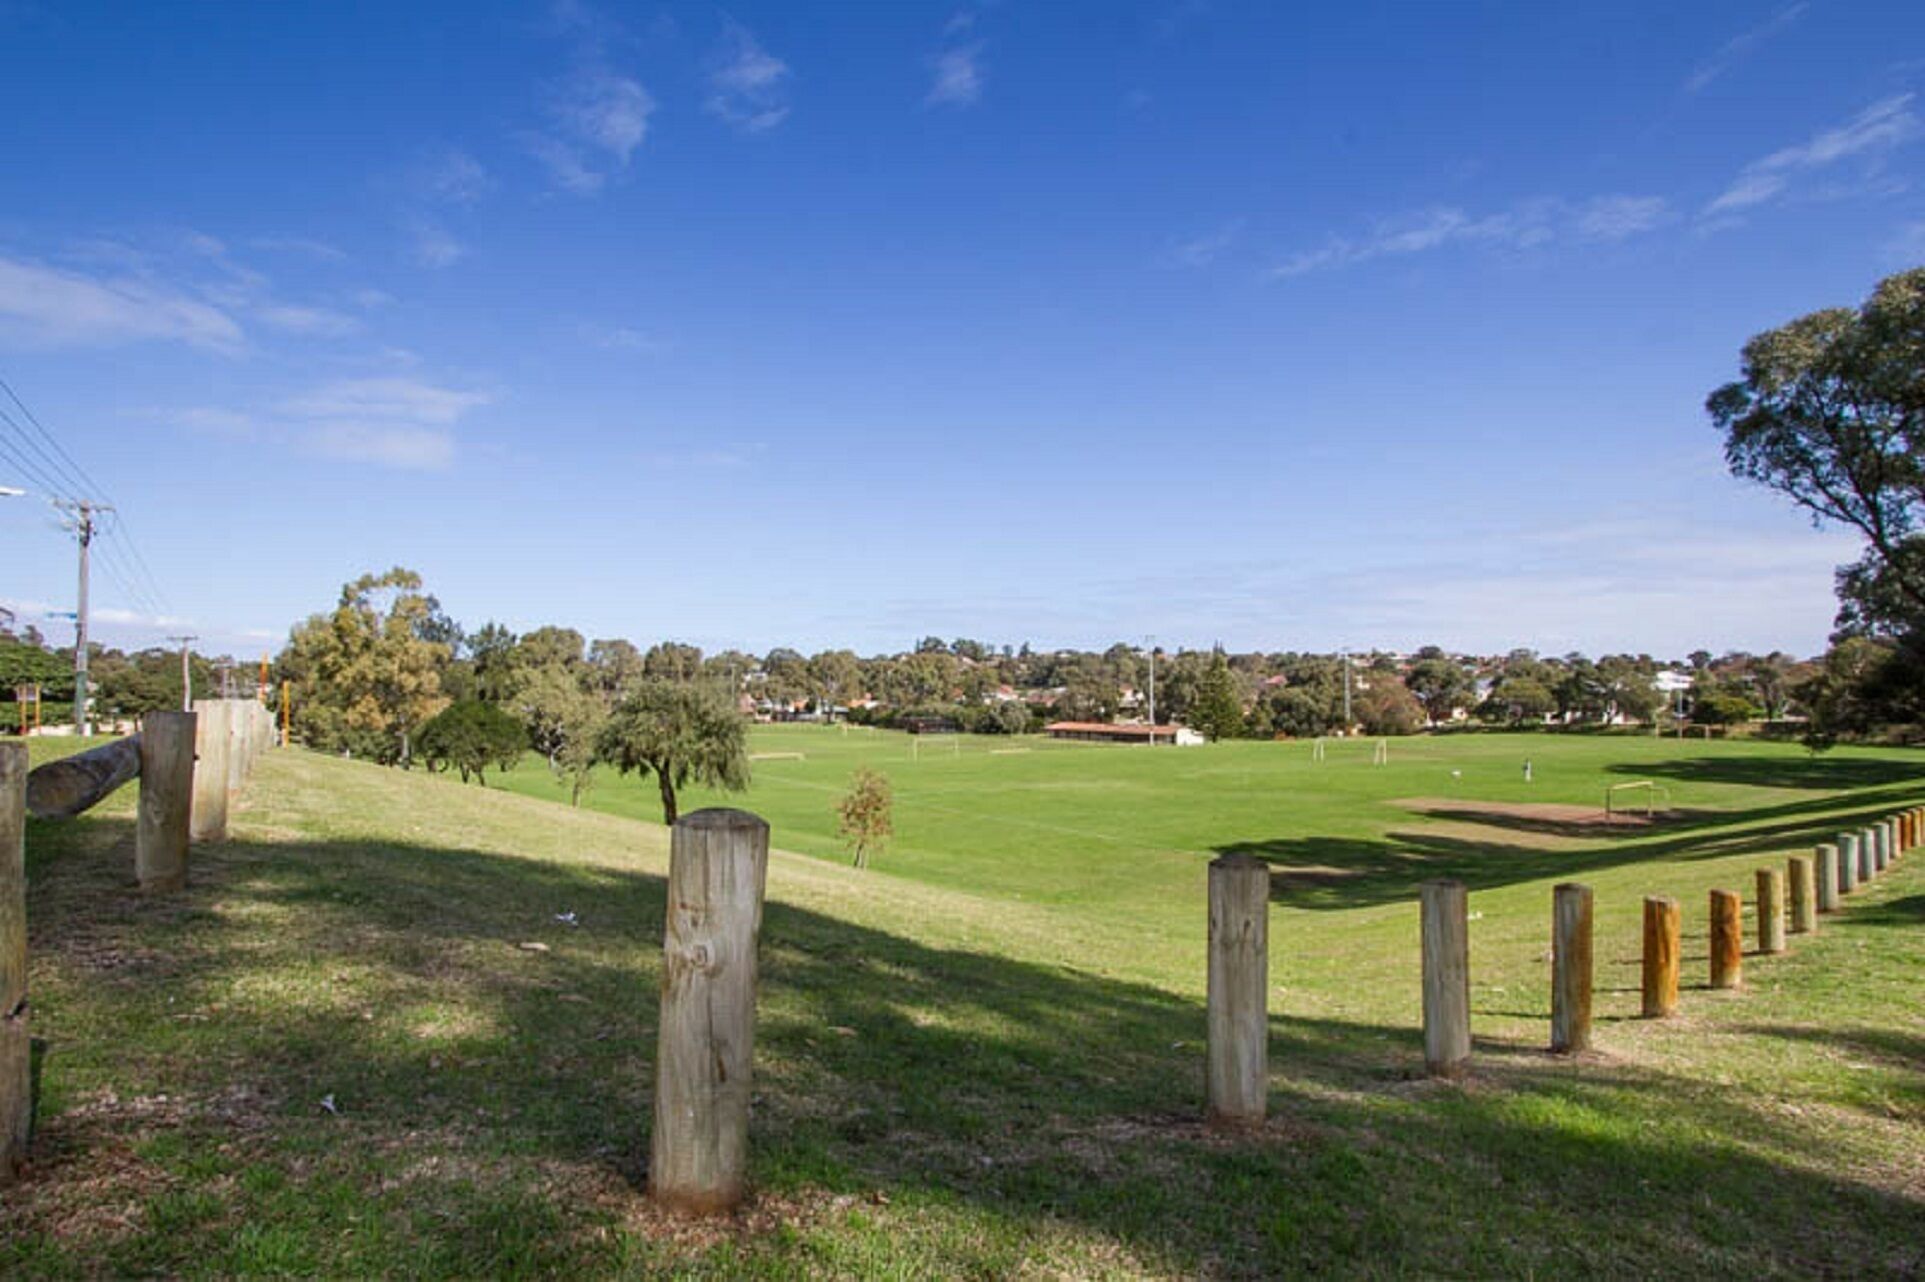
{"x":1346,"y":690}
{"x":83,"y":527}
{"x":186,"y":675}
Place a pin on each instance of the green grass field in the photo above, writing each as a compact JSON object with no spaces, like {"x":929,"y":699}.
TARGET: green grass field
{"x":981,"y":1057}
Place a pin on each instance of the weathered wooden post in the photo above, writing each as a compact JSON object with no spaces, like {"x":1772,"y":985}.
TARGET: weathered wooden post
{"x":1446,"y":947}
{"x":1771,"y":910}
{"x":208,"y":818}
{"x":1801,"y":873}
{"x":1239,"y":985}
{"x":1661,"y":953}
{"x":16,"y":1039}
{"x":1882,"y":848}
{"x":1847,"y":862}
{"x":1867,"y":866}
{"x":717,"y":871}
{"x":1827,"y":855}
{"x":166,"y":800}
{"x":1571,"y":968}
{"x":1727,"y":939}
{"x":237,"y":763}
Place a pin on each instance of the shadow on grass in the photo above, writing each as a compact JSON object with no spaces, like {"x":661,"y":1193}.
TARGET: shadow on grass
{"x":492,"y":1103}
{"x":1337,"y":873}
{"x":1815,"y":772}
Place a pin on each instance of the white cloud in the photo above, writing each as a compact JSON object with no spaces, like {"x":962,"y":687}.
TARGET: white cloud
{"x":1881,"y":127}
{"x":451,"y":178}
{"x":624,"y":338}
{"x":566,"y":164}
{"x":599,"y":119}
{"x":389,"y":445}
{"x":1617,"y":217}
{"x":393,"y":399}
{"x":1525,"y":225}
{"x":318,"y":249}
{"x":1201,"y":251}
{"x":51,"y":307}
{"x":958,"y":77}
{"x":1742,"y":46}
{"x":432,"y":245}
{"x":749,"y":87}
{"x":319,"y":322}
{"x":390,"y":421}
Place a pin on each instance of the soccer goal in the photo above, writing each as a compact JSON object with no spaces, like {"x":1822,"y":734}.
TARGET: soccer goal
{"x":1624,"y":798}
{"x":923,"y":746}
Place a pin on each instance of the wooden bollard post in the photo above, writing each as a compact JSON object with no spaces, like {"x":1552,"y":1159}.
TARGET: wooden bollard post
{"x":1867,"y":867}
{"x":16,"y":1038}
{"x":166,"y":800}
{"x":1801,"y":875}
{"x":1571,"y":968}
{"x":1446,"y":948}
{"x":717,"y":870}
{"x":1661,"y":953}
{"x":1827,"y":860}
{"x":1882,"y":850}
{"x":1727,"y":939}
{"x":1238,"y":1073}
{"x":1771,"y":910}
{"x":1847,"y":862}
{"x":208,"y":818}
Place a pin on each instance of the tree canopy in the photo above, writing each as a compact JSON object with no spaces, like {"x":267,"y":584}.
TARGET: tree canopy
{"x":678,"y":731}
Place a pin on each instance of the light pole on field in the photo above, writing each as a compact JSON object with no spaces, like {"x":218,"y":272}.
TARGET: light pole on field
{"x":1151,"y":642}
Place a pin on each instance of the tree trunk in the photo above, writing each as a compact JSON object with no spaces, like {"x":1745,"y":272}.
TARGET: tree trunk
{"x":668,"y":795}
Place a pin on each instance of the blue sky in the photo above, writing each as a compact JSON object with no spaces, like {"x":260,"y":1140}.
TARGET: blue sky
{"x":1286,"y":326}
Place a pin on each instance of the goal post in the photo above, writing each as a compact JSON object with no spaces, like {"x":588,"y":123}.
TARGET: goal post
{"x":1624,"y":797}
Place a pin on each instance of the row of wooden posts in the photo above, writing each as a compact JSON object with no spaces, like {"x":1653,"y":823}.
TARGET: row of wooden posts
{"x":718,"y":874}
{"x":1238,"y":1068}
{"x":189,"y":765}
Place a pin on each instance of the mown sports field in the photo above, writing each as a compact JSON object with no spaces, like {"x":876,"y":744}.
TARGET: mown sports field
{"x":982,"y":1056}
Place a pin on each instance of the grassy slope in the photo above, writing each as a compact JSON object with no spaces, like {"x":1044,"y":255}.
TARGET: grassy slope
{"x":953,"y":1082}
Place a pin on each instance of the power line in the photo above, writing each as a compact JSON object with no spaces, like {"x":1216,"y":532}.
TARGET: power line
{"x":17,"y":449}
{"x":89,"y":486}
{"x":46,"y":462}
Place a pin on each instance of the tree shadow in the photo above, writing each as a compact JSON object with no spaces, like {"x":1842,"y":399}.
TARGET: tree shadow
{"x":1336,"y":873}
{"x":486,"y":1071}
{"x":1811,"y":774}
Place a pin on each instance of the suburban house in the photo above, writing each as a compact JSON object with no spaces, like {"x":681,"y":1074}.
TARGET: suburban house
{"x":1132,"y":732}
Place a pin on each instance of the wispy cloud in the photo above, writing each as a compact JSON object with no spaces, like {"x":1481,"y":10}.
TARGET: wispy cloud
{"x":958,"y":78}
{"x":749,"y":86}
{"x":386,"y":444}
{"x":390,"y":421}
{"x":47,"y":306}
{"x":386,"y":399}
{"x":596,"y":121}
{"x":320,"y":250}
{"x":1201,"y":251}
{"x":1526,"y":225}
{"x":1875,"y":131}
{"x":1742,"y":46}
{"x":431,"y":244}
{"x":320,"y":322}
{"x":623,"y":338}
{"x":450,"y":177}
